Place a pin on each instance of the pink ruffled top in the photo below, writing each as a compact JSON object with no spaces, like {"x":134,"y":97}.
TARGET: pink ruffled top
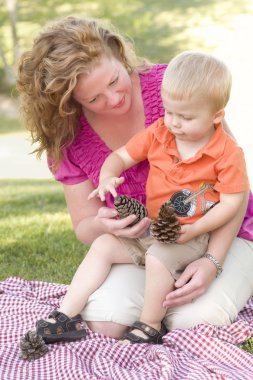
{"x":85,"y":156}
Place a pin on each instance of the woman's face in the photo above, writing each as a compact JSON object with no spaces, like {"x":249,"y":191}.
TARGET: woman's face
{"x":107,"y":89}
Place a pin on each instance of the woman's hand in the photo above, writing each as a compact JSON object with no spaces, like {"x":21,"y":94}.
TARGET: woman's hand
{"x":119,"y":227}
{"x":193,"y":282}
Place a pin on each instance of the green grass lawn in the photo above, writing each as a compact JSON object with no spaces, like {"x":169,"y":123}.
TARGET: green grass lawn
{"x":10,"y":125}
{"x":37,"y":241}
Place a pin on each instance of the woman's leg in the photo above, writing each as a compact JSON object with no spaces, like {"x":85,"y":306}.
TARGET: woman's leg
{"x":105,"y":251}
{"x":117,"y":304}
{"x":226,"y":296}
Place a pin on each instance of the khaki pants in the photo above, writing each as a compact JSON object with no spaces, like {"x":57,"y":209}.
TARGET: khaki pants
{"x":120,"y":298}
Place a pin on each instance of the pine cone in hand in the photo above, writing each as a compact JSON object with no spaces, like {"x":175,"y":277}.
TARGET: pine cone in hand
{"x":32,"y":346}
{"x":127,"y":206}
{"x":165,"y":228}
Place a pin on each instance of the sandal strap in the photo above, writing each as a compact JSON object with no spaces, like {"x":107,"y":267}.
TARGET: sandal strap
{"x":146,"y":329}
{"x":134,"y":338}
{"x":62,"y":320}
{"x":58,"y":316}
{"x":153,"y":336}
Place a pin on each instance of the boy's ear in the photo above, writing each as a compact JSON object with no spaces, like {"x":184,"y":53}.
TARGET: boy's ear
{"x":219,"y":116}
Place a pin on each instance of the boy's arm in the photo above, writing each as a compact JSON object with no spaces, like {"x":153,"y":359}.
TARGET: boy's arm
{"x":109,"y":177}
{"x":218,"y":216}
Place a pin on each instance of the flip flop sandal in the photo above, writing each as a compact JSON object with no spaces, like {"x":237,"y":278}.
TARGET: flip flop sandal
{"x":65,"y":329}
{"x":153,"y":336}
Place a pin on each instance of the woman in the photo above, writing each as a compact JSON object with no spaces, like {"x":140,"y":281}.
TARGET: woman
{"x":84,"y":93}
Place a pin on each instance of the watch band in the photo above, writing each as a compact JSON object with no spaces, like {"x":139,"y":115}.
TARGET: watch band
{"x":215,"y":262}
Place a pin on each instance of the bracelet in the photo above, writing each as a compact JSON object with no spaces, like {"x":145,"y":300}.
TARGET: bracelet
{"x":215,"y":262}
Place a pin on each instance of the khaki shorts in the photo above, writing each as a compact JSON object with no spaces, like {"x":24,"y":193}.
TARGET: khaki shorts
{"x":175,"y":257}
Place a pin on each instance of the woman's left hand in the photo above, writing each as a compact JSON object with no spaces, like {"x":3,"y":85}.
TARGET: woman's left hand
{"x":193,"y":282}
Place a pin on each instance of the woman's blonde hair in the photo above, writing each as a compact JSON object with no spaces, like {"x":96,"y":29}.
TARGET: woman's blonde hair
{"x":47,"y":75}
{"x":193,"y":73}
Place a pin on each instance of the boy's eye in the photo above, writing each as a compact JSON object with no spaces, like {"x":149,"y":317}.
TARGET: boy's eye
{"x":188,"y":118}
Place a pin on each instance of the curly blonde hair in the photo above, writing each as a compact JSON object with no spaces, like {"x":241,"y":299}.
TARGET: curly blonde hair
{"x":47,"y":75}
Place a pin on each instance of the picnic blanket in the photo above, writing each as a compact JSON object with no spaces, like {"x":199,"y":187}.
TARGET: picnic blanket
{"x":203,"y":352}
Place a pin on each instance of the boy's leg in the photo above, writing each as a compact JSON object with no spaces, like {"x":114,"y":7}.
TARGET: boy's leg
{"x":66,"y":324}
{"x":105,"y":251}
{"x":159,"y":282}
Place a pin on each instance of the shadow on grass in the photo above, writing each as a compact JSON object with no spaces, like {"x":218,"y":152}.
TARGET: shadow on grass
{"x":37,"y":237}
{"x":30,"y":197}
{"x":38,"y":255}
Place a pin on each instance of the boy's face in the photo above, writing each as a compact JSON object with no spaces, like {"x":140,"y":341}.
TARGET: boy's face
{"x":189,"y":120}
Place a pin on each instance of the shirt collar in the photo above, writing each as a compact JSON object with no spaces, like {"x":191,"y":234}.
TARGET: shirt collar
{"x":213,"y":148}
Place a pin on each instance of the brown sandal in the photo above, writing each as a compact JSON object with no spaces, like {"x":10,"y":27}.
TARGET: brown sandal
{"x":65,"y":329}
{"x":153,"y":336}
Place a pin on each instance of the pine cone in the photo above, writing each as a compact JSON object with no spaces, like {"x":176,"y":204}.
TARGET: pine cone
{"x":165,"y":228}
{"x":127,"y":206}
{"x":32,"y":346}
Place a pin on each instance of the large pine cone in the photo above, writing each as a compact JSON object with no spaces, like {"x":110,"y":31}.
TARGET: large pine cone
{"x":32,"y":346}
{"x":165,"y":228}
{"x":127,"y":206}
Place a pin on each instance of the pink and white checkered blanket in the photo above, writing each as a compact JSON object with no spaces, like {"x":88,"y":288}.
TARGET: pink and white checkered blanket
{"x":204,"y":352}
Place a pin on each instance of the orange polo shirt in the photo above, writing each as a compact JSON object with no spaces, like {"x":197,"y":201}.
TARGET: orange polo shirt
{"x":193,"y":185}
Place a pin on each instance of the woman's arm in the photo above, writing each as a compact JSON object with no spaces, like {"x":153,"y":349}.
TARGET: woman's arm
{"x":91,"y":218}
{"x":198,"y":275}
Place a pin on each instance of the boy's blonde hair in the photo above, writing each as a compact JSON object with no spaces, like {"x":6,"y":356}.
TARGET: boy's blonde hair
{"x":193,"y":73}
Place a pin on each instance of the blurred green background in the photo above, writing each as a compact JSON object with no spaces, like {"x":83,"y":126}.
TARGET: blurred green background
{"x":160,"y":28}
{"x":36,"y":237}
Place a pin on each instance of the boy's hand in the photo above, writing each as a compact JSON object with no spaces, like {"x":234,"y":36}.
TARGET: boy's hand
{"x":108,"y":185}
{"x":187,"y":232}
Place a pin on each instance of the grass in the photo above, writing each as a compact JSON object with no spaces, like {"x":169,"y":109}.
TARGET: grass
{"x":37,"y":241}
{"x":10,"y":125}
{"x":248,"y":345}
